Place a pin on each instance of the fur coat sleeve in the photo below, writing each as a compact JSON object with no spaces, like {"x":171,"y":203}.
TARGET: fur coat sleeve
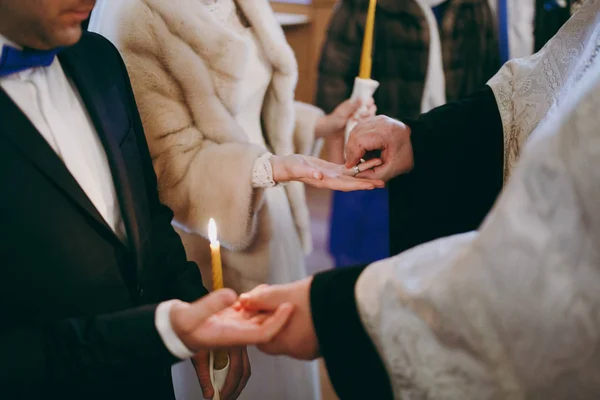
{"x":202,"y":173}
{"x":185,"y":70}
{"x":304,"y":129}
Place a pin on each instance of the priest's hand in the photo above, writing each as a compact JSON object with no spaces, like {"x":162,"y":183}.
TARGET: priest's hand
{"x":298,"y":338}
{"x":322,"y":174}
{"x":237,"y":377}
{"x":388,"y":135}
{"x":212,"y":322}
{"x":334,"y":124}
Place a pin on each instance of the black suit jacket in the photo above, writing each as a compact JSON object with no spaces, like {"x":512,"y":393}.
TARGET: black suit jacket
{"x":77,"y":304}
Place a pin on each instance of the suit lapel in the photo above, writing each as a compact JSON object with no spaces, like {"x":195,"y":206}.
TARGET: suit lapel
{"x":17,"y":128}
{"x":101,"y":104}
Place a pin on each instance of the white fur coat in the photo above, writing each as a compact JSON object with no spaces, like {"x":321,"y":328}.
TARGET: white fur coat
{"x":185,"y":71}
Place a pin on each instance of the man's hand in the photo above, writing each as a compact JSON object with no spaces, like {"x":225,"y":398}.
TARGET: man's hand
{"x":298,"y":338}
{"x":211,"y":322}
{"x":390,"y":136}
{"x":237,"y":377}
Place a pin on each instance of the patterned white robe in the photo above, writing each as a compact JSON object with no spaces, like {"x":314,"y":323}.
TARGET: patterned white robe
{"x":511,"y":311}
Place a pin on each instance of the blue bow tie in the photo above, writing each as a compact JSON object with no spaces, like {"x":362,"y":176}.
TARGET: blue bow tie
{"x":13,"y":60}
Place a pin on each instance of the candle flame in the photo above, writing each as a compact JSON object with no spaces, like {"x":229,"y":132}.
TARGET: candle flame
{"x":212,"y":231}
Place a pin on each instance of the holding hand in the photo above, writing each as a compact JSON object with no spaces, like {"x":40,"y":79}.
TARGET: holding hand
{"x":211,"y":322}
{"x":334,"y":124}
{"x":390,"y":136}
{"x":322,"y":174}
{"x":298,"y":338}
{"x":237,"y":377}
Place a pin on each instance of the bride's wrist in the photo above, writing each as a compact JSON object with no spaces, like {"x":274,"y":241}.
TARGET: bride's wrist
{"x":278,"y":169}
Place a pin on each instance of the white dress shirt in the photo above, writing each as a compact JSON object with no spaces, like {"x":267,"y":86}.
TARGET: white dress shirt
{"x":53,"y":105}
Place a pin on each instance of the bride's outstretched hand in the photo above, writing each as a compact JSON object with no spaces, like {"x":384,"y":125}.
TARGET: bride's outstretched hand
{"x":323,"y":174}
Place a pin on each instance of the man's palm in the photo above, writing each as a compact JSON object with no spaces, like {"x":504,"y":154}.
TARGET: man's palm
{"x":212,"y":322}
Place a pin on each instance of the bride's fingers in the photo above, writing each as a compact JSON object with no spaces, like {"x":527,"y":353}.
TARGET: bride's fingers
{"x":343,"y":184}
{"x":347,"y":184}
{"x":365,"y":166}
{"x":367,"y":176}
{"x":306,"y":170}
{"x":372,"y":175}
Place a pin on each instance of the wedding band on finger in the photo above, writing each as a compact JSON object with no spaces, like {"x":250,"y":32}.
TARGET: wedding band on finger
{"x":356,"y":170}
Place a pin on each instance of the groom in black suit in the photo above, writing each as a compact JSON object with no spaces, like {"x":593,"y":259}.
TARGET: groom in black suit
{"x":89,"y":257}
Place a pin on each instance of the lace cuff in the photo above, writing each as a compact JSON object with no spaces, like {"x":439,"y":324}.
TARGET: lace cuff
{"x":262,"y":172}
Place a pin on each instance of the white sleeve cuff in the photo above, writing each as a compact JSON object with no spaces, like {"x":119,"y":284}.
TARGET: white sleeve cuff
{"x":262,"y":173}
{"x":162,"y":320}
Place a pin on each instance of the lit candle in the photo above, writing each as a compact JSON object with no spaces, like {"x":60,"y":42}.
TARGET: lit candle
{"x":215,"y":256}
{"x":221,"y":359}
{"x":367,"y":50}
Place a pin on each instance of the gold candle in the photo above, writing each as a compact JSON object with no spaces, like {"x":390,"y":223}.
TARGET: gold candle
{"x":221,"y":357}
{"x":367,"y":50}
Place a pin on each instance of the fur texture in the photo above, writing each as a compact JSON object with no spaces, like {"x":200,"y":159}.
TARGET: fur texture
{"x":184,"y":67}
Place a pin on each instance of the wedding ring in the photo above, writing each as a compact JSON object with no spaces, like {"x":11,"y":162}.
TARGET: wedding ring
{"x":356,"y":170}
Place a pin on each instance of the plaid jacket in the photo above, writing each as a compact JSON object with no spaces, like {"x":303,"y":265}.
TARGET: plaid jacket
{"x":401,"y":45}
